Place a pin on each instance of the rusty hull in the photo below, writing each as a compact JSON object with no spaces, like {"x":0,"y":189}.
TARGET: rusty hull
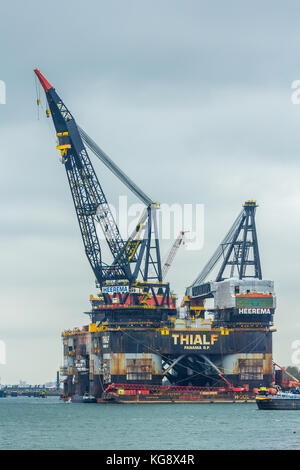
{"x":94,"y":359}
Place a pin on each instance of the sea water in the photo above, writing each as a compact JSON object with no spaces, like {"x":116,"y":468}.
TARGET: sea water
{"x":49,"y":423}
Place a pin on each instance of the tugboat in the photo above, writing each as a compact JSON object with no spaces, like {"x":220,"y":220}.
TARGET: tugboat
{"x":280,"y":400}
{"x":86,"y":398}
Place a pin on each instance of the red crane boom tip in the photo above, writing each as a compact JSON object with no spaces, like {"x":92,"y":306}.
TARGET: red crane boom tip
{"x":45,"y":84}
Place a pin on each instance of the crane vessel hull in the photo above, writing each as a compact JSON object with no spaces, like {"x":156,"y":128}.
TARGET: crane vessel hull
{"x":184,"y":353}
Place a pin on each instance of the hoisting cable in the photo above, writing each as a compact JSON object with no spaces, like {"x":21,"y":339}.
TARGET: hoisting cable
{"x":38,"y":96}
{"x":114,"y":168}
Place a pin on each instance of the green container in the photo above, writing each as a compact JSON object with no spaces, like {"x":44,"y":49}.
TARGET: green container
{"x":254,"y":302}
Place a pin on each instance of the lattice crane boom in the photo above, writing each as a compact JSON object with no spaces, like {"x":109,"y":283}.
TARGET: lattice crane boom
{"x":239,"y":249}
{"x":91,"y":204}
{"x":172,"y":254}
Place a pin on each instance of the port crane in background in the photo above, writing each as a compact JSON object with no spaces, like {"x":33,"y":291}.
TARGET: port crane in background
{"x":137,"y":256}
{"x":170,"y":258}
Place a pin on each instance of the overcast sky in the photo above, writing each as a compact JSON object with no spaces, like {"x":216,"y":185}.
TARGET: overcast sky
{"x":192,"y":99}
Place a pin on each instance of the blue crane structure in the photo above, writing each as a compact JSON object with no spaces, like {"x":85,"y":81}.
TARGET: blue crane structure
{"x":132,"y":259}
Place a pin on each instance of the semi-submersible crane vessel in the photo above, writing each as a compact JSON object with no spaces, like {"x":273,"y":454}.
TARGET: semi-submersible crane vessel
{"x":138,"y":344}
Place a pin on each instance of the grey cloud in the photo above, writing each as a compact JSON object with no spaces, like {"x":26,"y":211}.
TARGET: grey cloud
{"x":192,"y":99}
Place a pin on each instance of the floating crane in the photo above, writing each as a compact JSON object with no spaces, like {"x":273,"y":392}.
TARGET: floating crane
{"x":135,"y":336}
{"x":137,"y":256}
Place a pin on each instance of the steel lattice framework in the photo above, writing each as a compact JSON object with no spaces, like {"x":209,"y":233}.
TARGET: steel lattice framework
{"x":91,"y":206}
{"x":239,"y":250}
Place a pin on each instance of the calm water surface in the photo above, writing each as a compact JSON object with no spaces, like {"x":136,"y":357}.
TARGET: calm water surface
{"x":35,"y":423}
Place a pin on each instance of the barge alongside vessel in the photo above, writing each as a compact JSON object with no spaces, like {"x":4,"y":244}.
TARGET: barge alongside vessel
{"x":125,"y":393}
